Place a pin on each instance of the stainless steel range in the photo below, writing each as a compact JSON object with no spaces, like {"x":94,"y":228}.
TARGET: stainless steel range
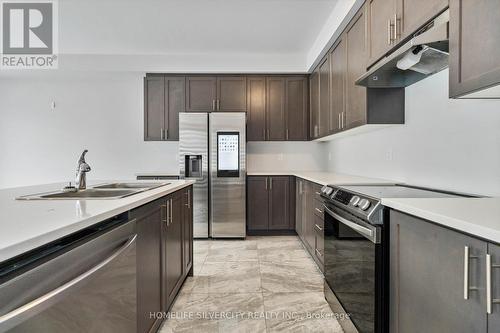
{"x":356,"y":250}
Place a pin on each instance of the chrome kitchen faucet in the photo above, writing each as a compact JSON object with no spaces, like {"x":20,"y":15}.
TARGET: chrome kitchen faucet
{"x":81,"y":172}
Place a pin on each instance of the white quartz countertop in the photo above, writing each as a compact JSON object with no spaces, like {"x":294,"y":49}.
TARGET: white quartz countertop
{"x":28,"y":224}
{"x":324,"y":178}
{"x":475,"y":216}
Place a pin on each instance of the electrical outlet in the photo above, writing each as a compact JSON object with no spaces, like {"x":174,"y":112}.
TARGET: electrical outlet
{"x":389,"y":155}
{"x":53,"y":105}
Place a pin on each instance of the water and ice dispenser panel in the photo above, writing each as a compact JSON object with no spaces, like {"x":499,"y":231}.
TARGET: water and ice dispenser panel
{"x":193,"y":167}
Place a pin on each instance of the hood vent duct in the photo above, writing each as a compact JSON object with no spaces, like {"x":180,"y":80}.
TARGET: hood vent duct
{"x":426,"y":53}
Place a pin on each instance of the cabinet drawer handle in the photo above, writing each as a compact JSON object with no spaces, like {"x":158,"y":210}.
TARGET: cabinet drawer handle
{"x":318,"y":253}
{"x":489,"y":298}
{"x":319,"y":210}
{"x":467,"y":257}
{"x":318,"y":227}
{"x":271,"y":183}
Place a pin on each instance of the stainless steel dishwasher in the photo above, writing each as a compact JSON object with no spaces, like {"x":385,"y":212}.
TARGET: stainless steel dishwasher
{"x":85,"y":282}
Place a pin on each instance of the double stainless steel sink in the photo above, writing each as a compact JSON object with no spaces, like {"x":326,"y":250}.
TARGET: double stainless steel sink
{"x":97,"y":192}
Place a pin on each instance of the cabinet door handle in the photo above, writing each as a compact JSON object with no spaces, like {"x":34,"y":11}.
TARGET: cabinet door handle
{"x":171,"y":215}
{"x":188,"y":193}
{"x":213,"y":105}
{"x":166,"y":134}
{"x":287,"y":133}
{"x":266,"y":183}
{"x":318,"y":227}
{"x":164,"y":214}
{"x":343,"y":119}
{"x":396,"y":33}
{"x":318,"y":253}
{"x":161,"y":134}
{"x":489,"y":298}
{"x":271,"y":184}
{"x":389,"y":32}
{"x":218,"y":104}
{"x":467,"y":257}
{"x":339,"y":122}
{"x":319,"y":211}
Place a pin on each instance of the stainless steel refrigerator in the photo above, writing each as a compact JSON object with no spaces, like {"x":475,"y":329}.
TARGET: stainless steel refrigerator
{"x":212,"y":149}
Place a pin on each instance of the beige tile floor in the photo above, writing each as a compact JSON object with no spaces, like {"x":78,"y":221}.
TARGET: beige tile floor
{"x":261,"y":284}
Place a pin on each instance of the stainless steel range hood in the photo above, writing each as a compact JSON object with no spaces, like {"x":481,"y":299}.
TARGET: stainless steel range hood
{"x":424,"y":54}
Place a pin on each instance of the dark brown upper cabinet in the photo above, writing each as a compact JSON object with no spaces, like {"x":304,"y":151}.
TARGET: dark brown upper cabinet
{"x":474,"y":49}
{"x":163,"y":100}
{"x":337,"y":85}
{"x":314,"y":103}
{"x":350,"y":105}
{"x":201,"y":93}
{"x":414,"y":14}
{"x":256,"y":108}
{"x":296,"y":102}
{"x":231,"y":93}
{"x":277,"y":108}
{"x":391,"y":21}
{"x":275,"y":94}
{"x":381,"y":30}
{"x":216,"y":93}
{"x":355,"y":38}
{"x":324,"y":96}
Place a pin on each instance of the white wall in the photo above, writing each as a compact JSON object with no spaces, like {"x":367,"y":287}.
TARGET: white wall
{"x":285,"y":156}
{"x":449,"y":144}
{"x":103,"y":114}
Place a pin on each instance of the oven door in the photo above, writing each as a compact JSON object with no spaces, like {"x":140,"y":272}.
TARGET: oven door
{"x":353,"y":267}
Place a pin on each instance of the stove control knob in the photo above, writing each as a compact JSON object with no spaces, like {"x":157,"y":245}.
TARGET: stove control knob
{"x":355,"y":200}
{"x":326,"y":190}
{"x":364,"y":204}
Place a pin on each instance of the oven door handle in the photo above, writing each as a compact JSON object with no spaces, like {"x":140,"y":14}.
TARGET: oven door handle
{"x":368,"y":233}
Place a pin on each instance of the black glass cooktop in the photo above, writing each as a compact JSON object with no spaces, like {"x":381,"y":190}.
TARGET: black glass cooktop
{"x":398,"y":191}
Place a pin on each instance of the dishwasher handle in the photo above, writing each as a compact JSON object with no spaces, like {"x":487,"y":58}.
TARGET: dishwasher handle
{"x":24,"y":312}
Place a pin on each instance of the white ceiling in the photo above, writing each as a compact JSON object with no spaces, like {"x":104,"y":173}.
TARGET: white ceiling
{"x":195,"y":35}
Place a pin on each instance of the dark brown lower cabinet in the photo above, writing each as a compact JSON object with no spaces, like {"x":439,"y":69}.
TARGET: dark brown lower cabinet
{"x":188,"y":231}
{"x":269,"y":202}
{"x":279,"y":203}
{"x":149,"y":265}
{"x":437,"y":278}
{"x":309,"y":219}
{"x":172,"y":247}
{"x":164,"y":254}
